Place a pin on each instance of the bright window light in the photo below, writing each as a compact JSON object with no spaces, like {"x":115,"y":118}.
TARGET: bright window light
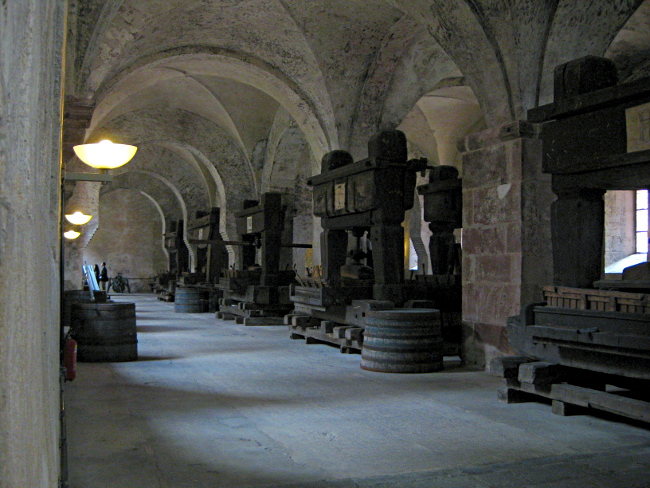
{"x":642,"y":221}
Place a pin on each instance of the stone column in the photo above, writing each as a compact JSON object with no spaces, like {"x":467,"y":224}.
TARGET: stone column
{"x":31,"y":50}
{"x":507,"y":255}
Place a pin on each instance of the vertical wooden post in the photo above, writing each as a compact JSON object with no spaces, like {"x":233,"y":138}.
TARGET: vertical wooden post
{"x":577,"y":226}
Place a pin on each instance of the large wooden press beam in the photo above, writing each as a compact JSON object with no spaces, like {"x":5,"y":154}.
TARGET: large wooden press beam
{"x":242,"y":243}
{"x":596,"y":137}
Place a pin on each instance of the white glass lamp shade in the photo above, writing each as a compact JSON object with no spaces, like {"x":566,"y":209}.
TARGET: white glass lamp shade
{"x":71,"y":234}
{"x":105,"y":154}
{"x":78,"y":218}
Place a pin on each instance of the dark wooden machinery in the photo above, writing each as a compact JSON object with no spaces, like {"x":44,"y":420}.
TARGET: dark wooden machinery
{"x":583,"y":347}
{"x":443,"y":209}
{"x":210,"y":257}
{"x":197,"y":292}
{"x":178,"y":258}
{"x":362,"y":206}
{"x":257,"y":291}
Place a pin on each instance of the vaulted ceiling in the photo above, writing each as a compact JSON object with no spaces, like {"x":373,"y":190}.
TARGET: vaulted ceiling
{"x":228,"y":98}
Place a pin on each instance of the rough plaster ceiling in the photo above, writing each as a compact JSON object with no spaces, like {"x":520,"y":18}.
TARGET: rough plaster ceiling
{"x":211,"y":78}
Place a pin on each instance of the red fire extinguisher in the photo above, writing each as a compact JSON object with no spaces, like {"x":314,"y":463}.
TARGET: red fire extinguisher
{"x":70,"y":359}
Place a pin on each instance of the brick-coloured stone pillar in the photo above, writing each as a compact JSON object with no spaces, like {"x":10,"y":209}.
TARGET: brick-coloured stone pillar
{"x":507,"y":254}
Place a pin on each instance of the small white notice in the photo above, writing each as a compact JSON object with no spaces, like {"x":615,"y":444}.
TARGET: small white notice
{"x":339,"y":196}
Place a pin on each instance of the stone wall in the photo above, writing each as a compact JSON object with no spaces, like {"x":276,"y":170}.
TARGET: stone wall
{"x":507,"y":253}
{"x":129,"y":238}
{"x":31,"y":43}
{"x":620,"y":239}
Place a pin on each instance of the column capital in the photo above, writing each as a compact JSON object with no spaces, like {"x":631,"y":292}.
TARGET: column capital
{"x":496,"y":135}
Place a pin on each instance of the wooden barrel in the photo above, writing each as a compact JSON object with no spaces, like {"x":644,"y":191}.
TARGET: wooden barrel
{"x":76,"y":296}
{"x":402,"y":341}
{"x":105,"y":332}
{"x":188,"y":300}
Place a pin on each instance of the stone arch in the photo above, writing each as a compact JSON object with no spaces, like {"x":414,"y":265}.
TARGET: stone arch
{"x":630,"y":49}
{"x":183,"y":174}
{"x":507,"y":51}
{"x":287,"y":165}
{"x":414,"y":64}
{"x":316,"y":121}
{"x":135,"y":184}
{"x":580,"y":29}
{"x":126,"y":239}
{"x":149,"y":87}
{"x":434,"y":125}
{"x":162,"y":219}
{"x":206,"y":171}
{"x":188,"y":130}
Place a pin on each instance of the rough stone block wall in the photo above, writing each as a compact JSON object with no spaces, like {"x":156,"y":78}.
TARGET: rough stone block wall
{"x":506,"y":234}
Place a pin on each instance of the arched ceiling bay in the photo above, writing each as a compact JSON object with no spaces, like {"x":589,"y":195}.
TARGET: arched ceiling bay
{"x":209,"y":78}
{"x":507,"y":50}
{"x":313,"y":57}
{"x":452,"y":112}
{"x":173,"y":126}
{"x":182,"y":174}
{"x":156,"y":188}
{"x":242,"y":111}
{"x":242,"y":81}
{"x":630,"y":49}
{"x":442,"y":117}
{"x":204,"y":168}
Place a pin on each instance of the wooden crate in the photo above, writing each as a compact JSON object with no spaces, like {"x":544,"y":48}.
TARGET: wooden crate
{"x":602,"y":300}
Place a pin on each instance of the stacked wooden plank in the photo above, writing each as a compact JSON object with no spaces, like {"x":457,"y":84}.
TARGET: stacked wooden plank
{"x":603,"y":300}
{"x":349,"y":339}
{"x":571,"y":391}
{"x":250,"y":313}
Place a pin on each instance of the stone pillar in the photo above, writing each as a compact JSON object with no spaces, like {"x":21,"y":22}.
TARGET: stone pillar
{"x":31,"y":47}
{"x":507,"y":255}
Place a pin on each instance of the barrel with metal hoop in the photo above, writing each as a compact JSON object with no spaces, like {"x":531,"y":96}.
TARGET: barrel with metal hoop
{"x":402,"y":341}
{"x":76,"y":296}
{"x":188,"y":300}
{"x":105,"y":332}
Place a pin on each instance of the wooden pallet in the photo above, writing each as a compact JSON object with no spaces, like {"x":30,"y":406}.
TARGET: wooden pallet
{"x":348,"y":339}
{"x":250,"y":314}
{"x":570,"y":391}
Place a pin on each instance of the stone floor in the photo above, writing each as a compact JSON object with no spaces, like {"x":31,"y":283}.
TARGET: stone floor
{"x":215,"y":404}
